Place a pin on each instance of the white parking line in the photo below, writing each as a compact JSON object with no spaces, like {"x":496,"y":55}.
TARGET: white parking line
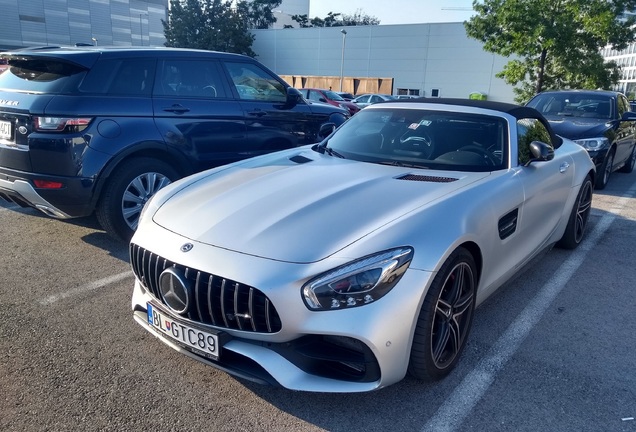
{"x":86,"y":288}
{"x":469,"y":392}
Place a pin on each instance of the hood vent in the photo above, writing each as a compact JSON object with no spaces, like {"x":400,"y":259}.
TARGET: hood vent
{"x":424,"y":178}
{"x":300,"y":159}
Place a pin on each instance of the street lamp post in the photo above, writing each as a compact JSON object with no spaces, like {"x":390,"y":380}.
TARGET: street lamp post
{"x":344,"y":37}
{"x":94,"y":41}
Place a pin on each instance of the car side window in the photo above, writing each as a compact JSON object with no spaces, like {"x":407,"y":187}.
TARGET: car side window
{"x":528,"y":130}
{"x":254,"y":83}
{"x":314,"y":96}
{"x":131,"y":77}
{"x":190,"y":78}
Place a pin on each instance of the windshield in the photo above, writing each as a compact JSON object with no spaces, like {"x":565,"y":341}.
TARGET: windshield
{"x":425,"y":139}
{"x":573,"y":105}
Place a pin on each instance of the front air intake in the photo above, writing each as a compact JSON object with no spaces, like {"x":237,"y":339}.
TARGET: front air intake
{"x":218,"y":301}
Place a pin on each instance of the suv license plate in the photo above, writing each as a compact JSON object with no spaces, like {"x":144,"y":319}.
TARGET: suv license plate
{"x":191,"y":338}
{"x":5,"y":130}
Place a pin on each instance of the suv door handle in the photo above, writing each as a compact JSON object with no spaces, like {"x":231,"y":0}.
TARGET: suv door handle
{"x":177,"y":109}
{"x":257,"y":113}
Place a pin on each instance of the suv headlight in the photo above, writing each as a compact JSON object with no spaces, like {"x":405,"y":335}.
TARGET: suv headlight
{"x":593,"y":144}
{"x":359,"y":282}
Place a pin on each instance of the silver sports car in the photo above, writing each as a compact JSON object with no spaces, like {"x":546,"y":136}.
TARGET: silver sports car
{"x":344,"y":266}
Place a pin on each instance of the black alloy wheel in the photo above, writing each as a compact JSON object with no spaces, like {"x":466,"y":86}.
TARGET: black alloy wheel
{"x":579,"y":216}
{"x":605,"y":171}
{"x":445,"y":318}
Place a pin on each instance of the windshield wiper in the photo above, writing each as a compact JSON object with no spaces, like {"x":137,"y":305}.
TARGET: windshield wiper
{"x":322,"y":149}
{"x":403,"y":164}
{"x":332,"y":152}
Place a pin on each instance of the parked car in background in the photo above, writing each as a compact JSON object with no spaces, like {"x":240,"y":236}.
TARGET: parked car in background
{"x":601,"y":121}
{"x":95,"y":129}
{"x":407,"y":97}
{"x":369,"y":99}
{"x":330,"y":97}
{"x":346,"y":96}
{"x":343,"y":266}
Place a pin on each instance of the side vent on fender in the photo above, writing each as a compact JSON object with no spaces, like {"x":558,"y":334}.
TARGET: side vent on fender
{"x":300,"y":159}
{"x":508,"y":224}
{"x":425,"y":178}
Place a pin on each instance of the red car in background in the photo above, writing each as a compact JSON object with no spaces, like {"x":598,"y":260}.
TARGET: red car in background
{"x":330,"y":97}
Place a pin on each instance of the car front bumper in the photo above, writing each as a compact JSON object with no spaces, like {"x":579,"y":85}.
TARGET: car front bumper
{"x":350,"y":350}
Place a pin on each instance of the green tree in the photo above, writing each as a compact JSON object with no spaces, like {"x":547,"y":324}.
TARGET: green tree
{"x":358,"y":18}
{"x":260,"y":13}
{"x":556,"y":42}
{"x":336,"y":20}
{"x":218,"y":25}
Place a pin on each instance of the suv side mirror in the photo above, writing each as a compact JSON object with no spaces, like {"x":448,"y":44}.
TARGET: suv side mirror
{"x":294,"y":97}
{"x":541,"y":152}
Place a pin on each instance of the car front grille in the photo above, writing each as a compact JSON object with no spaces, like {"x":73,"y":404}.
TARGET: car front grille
{"x":218,"y":301}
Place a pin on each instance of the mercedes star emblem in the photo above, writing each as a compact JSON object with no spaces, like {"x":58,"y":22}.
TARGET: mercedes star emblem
{"x":175,"y":290}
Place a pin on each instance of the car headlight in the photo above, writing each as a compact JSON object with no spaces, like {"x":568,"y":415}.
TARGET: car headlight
{"x":593,"y":144}
{"x":359,"y":282}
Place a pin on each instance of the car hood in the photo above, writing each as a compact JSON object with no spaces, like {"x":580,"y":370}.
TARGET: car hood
{"x":300,"y":207}
{"x":577,"y":128}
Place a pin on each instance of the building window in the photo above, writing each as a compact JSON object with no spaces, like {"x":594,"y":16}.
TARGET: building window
{"x":408,"y":92}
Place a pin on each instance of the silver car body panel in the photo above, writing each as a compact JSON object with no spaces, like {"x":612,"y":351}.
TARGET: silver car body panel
{"x":274,"y":224}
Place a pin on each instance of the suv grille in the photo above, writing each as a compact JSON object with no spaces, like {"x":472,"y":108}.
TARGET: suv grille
{"x":218,"y":301}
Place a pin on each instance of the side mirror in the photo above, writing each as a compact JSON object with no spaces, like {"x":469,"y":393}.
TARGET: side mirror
{"x":322,"y":100}
{"x":326,"y":129}
{"x":294,"y":97}
{"x":540,"y":152}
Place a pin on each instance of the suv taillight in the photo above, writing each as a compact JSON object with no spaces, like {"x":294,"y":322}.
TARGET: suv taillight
{"x":61,"y":124}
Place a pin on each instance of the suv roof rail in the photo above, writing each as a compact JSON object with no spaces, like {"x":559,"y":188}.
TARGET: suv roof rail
{"x":38,"y":48}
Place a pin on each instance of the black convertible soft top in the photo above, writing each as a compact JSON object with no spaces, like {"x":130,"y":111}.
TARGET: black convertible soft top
{"x":516,"y":111}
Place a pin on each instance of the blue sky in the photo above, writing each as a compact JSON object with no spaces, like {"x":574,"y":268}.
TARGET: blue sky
{"x":397,"y":11}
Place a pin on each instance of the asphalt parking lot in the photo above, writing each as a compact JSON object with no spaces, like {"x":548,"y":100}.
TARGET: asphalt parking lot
{"x":552,"y":351}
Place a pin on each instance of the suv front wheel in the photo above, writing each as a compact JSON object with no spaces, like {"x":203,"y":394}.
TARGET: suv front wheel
{"x":129,"y":187}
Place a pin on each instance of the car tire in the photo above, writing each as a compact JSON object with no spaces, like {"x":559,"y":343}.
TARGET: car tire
{"x":128,"y":188}
{"x":445,"y":318}
{"x":605,"y":171}
{"x":630,"y":162}
{"x":579,"y":216}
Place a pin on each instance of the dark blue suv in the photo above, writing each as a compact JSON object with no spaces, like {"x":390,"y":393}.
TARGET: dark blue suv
{"x":94,"y":129}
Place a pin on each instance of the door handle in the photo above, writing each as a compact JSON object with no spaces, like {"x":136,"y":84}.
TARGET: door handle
{"x":257,"y":113}
{"x":177,"y":109}
{"x":564,"y":167}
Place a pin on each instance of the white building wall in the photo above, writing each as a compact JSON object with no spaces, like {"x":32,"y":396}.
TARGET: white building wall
{"x":417,"y":56}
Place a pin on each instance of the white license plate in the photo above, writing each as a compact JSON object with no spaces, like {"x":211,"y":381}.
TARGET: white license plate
{"x":5,"y":130}
{"x":192,"y":338}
